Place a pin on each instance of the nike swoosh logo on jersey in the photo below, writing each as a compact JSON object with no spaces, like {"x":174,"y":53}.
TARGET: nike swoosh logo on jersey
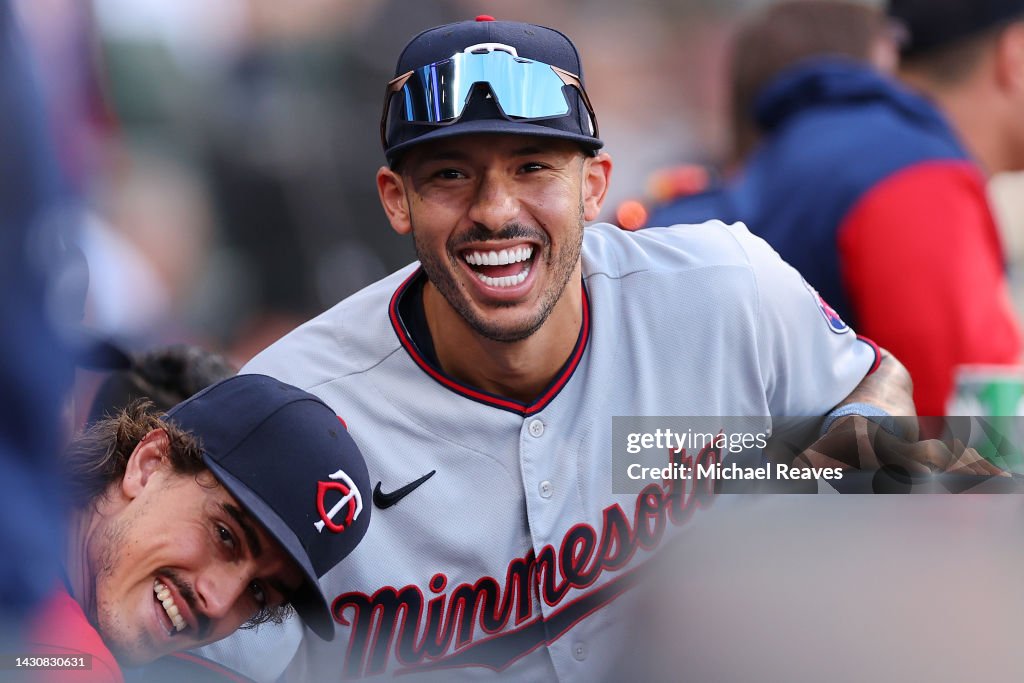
{"x":385,"y":500}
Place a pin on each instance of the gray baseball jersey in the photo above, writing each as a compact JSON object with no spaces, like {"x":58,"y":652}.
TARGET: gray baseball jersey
{"x":515,"y":556}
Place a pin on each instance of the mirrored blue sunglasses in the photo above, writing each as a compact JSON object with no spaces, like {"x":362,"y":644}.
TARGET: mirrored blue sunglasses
{"x":523,"y":88}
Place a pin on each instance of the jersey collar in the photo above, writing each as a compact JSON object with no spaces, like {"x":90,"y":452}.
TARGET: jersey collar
{"x":479,"y":395}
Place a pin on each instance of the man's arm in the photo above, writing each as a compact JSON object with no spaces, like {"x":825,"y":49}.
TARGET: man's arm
{"x":875,"y":426}
{"x":882,"y":429}
{"x":890,"y":389}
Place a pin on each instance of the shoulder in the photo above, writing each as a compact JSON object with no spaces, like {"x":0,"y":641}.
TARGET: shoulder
{"x":873,"y":138}
{"x":941,"y":194}
{"x":61,"y":629}
{"x":350,"y":338}
{"x":611,"y":251}
{"x":670,"y":270}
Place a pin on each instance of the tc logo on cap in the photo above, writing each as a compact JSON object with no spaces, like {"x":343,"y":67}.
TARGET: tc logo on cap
{"x":346,"y":510}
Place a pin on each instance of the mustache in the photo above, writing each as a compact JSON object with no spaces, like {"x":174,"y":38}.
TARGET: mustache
{"x":512,"y":231}
{"x":204,"y":623}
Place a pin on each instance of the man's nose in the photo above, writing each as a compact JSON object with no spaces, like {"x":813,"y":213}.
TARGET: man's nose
{"x":218,"y":590}
{"x":495,"y":203}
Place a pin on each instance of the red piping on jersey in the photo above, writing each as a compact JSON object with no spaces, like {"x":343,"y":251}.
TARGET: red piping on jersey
{"x":482,"y":396}
{"x":874,"y":347}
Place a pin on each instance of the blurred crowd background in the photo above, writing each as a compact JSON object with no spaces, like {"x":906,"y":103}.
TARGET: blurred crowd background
{"x":223,"y":153}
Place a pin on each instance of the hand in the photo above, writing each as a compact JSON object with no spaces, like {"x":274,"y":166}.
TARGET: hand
{"x":855,"y":442}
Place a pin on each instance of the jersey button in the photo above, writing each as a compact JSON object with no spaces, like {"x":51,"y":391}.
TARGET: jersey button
{"x":546,"y":489}
{"x":579,"y":651}
{"x":536,"y":428}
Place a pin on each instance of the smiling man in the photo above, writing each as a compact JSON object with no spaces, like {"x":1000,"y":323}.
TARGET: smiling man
{"x":489,"y":289}
{"x":480,"y":383}
{"x":223,"y":512}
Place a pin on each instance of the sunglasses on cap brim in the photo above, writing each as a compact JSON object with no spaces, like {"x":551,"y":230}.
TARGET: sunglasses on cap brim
{"x":524,"y":89}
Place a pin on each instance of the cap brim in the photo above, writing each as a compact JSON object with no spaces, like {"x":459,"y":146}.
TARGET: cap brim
{"x":309,"y":601}
{"x":494,"y":126}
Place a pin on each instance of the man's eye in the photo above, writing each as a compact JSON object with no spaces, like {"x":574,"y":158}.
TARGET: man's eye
{"x":533,"y":166}
{"x":226,"y":537}
{"x":258,"y":594}
{"x":450,"y":174}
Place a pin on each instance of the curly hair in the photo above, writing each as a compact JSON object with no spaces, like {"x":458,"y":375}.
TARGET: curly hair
{"x":99,"y":457}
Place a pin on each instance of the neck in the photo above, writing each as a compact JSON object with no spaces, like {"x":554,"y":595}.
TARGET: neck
{"x":519,"y":370}
{"x":76,"y":559}
{"x":973,"y":109}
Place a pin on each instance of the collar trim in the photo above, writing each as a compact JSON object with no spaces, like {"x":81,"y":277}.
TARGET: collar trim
{"x":478,"y":395}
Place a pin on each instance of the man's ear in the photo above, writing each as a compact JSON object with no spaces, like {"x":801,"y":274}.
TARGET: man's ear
{"x":597,"y":174}
{"x":391,"y":188}
{"x":1010,"y":57}
{"x":149,"y":456}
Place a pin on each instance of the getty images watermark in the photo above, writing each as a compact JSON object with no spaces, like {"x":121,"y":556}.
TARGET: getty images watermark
{"x":725,"y":450}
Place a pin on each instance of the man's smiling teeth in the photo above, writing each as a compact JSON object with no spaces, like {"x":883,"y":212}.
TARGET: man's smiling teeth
{"x":164,"y":596}
{"x":498,"y":258}
{"x":507,"y":281}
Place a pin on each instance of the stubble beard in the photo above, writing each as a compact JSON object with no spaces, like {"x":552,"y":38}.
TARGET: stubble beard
{"x":117,"y":632}
{"x":441,"y":273}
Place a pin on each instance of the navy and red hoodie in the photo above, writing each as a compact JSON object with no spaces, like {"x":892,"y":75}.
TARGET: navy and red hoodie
{"x":863,"y":186}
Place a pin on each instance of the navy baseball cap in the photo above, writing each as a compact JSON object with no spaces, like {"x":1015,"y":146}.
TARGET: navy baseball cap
{"x":935,"y":23}
{"x":289,"y":461}
{"x":487,"y":76}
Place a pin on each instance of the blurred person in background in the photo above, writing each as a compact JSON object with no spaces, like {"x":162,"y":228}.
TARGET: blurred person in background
{"x":763,"y":45}
{"x":767,"y":43}
{"x":789,"y":32}
{"x":38,"y":291}
{"x":876,"y":191}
